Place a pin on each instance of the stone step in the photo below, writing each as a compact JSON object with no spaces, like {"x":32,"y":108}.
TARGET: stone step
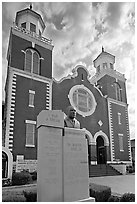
{"x":102,"y":170}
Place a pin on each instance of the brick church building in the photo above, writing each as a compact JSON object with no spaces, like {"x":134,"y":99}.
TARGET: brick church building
{"x":100,"y":101}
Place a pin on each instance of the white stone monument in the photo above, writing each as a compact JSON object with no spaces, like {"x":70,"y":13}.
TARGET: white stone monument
{"x":62,"y":160}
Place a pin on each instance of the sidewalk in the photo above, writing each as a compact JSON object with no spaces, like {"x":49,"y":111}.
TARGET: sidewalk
{"x":119,"y":184}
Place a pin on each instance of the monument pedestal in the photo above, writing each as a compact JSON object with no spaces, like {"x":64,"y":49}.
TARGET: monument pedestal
{"x":76,"y":182}
{"x":62,"y":160}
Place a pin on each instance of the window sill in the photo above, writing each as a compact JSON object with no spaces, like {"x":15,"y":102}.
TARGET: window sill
{"x":121,"y":150}
{"x":31,"y":106}
{"x":29,"y":145}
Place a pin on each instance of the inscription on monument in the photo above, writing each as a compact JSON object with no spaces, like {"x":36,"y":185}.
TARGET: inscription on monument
{"x":75,"y":166}
{"x":52,"y":118}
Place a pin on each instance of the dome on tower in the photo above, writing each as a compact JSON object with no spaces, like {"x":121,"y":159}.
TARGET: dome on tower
{"x":104,"y":60}
{"x":30,"y":20}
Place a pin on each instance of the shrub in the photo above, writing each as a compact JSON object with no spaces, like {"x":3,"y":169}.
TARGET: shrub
{"x":128,"y":197}
{"x":31,"y":196}
{"x":6,"y":182}
{"x":99,"y":192}
{"x":34,"y":175}
{"x":113,"y":198}
{"x":21,"y":178}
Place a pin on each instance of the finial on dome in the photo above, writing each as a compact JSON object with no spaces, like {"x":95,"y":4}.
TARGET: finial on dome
{"x":102,"y":49}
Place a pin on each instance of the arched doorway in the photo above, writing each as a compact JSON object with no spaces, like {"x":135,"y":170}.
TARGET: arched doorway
{"x":4,"y":165}
{"x":7,"y":163}
{"x":101,"y":151}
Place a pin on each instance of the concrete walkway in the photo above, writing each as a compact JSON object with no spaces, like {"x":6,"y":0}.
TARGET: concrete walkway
{"x":119,"y":184}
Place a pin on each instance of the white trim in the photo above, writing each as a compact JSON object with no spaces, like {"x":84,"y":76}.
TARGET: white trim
{"x":30,"y":121}
{"x":31,"y":98}
{"x":117,"y":102}
{"x":111,"y":131}
{"x":31,"y":106}
{"x":30,"y":75}
{"x":109,"y":72}
{"x":121,"y":135}
{"x":74,"y":74}
{"x":32,"y":60}
{"x":105,"y":137}
{"x":10,"y":106}
{"x":26,"y":145}
{"x":98,"y":90}
{"x":35,"y":40}
{"x":12,"y":109}
{"x":31,"y":91}
{"x":10,"y":161}
{"x":128,"y":134}
{"x":70,"y":96}
{"x":50,"y":95}
{"x":119,"y":118}
{"x":33,"y":124}
{"x":89,"y":136}
{"x":119,"y":162}
{"x":10,"y":145}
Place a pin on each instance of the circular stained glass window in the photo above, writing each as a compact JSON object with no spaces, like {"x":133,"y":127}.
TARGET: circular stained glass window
{"x":83,"y":100}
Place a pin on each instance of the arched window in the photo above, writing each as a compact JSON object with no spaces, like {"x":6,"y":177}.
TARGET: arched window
{"x":35,"y":63}
{"x":28,"y":61}
{"x":118,"y":91}
{"x":32,"y":61}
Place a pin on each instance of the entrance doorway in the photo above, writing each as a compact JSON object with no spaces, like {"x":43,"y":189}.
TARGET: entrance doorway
{"x":101,"y":151}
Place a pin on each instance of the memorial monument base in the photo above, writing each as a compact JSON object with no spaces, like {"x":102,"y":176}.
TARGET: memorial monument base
{"x":62,"y":161}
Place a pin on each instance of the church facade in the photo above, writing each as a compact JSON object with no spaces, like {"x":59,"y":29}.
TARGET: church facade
{"x":100,"y":101}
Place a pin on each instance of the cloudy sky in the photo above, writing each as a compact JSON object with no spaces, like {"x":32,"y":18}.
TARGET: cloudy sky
{"x":78,"y":31}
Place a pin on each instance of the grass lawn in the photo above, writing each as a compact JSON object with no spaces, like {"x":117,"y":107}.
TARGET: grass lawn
{"x":15,"y":194}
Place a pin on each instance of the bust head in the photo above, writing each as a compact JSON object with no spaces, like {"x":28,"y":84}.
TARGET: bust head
{"x":71,"y":112}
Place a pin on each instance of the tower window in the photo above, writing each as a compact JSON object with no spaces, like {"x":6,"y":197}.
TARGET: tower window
{"x":30,"y":133}
{"x":31,"y":98}
{"x":28,"y":61}
{"x":33,"y":27}
{"x":35,"y":63}
{"x":23,"y":25}
{"x":39,"y":33}
{"x":111,"y":65}
{"x":118,"y":91}
{"x":119,"y":118}
{"x":98,"y":68}
{"x":121,"y":142}
{"x":32,"y":61}
{"x":104,"y":65}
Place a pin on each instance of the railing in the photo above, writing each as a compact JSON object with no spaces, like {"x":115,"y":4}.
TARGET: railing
{"x":32,"y":34}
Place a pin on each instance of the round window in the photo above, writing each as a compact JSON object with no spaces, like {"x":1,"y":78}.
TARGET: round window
{"x":82,"y":99}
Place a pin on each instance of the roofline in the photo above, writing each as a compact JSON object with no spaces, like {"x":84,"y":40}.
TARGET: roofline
{"x":101,"y":54}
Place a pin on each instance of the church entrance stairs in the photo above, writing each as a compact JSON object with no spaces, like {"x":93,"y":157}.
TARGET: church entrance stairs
{"x":102,"y":170}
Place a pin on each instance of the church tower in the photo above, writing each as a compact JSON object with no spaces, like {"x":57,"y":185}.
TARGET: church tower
{"x":28,"y":84}
{"x":112,"y":84}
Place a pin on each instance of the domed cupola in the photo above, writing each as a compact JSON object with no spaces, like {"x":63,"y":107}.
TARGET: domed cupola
{"x":30,"y":20}
{"x":104,"y":61}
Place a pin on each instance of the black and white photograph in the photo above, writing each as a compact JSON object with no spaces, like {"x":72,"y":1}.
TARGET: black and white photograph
{"x":68,"y":101}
